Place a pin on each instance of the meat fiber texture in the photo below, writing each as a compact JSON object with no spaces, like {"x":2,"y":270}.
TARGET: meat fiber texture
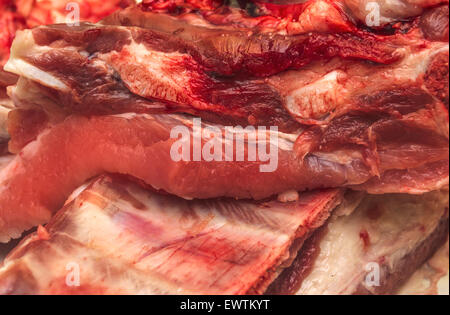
{"x":354,"y":107}
{"x":20,"y":14}
{"x":153,"y":243}
{"x":159,"y":244}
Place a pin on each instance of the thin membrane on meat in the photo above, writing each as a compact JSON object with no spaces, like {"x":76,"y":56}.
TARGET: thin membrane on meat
{"x":159,"y":244}
{"x":66,"y":154}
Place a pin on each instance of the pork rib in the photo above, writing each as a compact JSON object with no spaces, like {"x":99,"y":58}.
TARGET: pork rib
{"x":148,"y":241}
{"x":159,"y":244}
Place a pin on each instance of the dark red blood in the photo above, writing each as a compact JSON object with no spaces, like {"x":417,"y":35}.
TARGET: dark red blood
{"x":411,"y":180}
{"x":3,"y":147}
{"x":215,"y":54}
{"x":381,"y":114}
{"x":365,"y":237}
{"x":236,"y":52}
{"x":347,"y":129}
{"x":95,"y":91}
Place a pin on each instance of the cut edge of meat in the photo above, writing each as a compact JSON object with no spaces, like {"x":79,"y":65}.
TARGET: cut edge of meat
{"x":81,"y":148}
{"x":296,"y":246}
{"x":108,"y":189}
{"x":395,"y":232}
{"x":409,"y":264}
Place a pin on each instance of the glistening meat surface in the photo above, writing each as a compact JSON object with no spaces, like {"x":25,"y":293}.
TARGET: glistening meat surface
{"x":125,"y":67}
{"x":385,"y":239}
{"x":39,"y":179}
{"x":148,"y":241}
{"x":128,"y":240}
{"x":20,"y":14}
{"x":256,"y":52}
{"x":326,"y":90}
{"x":389,"y":138}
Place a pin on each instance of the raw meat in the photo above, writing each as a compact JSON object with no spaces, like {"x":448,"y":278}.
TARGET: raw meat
{"x":158,"y":244}
{"x":43,"y":174}
{"x":371,"y":250}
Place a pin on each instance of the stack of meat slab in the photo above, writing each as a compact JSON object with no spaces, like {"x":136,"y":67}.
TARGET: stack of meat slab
{"x":357,"y":116}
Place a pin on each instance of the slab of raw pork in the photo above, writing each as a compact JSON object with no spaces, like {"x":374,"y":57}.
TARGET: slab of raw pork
{"x":354,"y":107}
{"x":116,"y":237}
{"x":128,"y":240}
{"x":40,"y":178}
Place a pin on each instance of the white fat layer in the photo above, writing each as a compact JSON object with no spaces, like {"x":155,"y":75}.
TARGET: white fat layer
{"x":25,"y":69}
{"x":288,"y":196}
{"x":316,"y":98}
{"x":405,"y":221}
{"x":24,"y":45}
{"x":387,"y":10}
